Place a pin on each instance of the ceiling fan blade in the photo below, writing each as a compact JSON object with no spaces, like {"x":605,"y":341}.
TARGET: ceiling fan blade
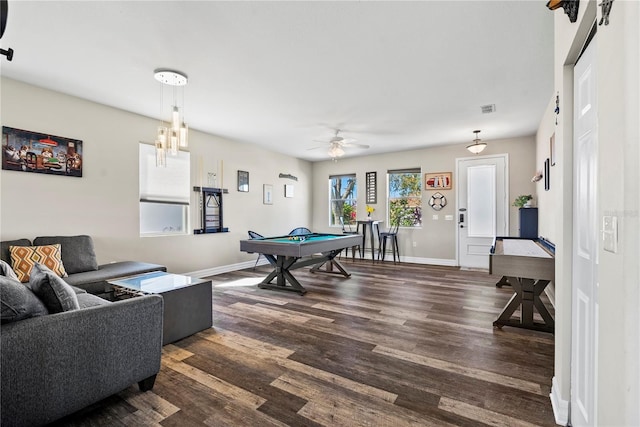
{"x":315,"y":148}
{"x":356,"y":145}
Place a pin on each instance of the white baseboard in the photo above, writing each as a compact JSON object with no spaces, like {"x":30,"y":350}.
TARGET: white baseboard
{"x":224,"y":269}
{"x":560,"y":407}
{"x":431,"y":261}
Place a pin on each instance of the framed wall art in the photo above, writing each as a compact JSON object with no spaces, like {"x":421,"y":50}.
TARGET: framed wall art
{"x":288,"y":190}
{"x":547,"y":179}
{"x":243,"y":181}
{"x":267,"y":194}
{"x":437,"y":181}
{"x":372,"y":187}
{"x":28,"y":151}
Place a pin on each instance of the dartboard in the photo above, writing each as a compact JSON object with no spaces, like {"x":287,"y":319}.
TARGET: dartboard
{"x":437,"y":201}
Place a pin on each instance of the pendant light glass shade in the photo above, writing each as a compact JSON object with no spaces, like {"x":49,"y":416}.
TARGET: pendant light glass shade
{"x":477,"y":146}
{"x":174,"y":137}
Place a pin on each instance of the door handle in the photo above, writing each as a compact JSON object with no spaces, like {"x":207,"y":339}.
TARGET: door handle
{"x":461,"y":220}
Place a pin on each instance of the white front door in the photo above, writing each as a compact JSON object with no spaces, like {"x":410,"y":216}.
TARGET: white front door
{"x":483,"y":208}
{"x":584,"y":334}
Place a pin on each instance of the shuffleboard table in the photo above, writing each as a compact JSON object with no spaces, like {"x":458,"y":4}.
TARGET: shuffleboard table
{"x":529,"y":266}
{"x":287,"y":253}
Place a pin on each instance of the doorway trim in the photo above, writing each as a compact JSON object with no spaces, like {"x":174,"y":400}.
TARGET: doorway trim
{"x":459,"y":160}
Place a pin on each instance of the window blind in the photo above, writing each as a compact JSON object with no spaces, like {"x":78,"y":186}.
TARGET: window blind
{"x":168,"y":184}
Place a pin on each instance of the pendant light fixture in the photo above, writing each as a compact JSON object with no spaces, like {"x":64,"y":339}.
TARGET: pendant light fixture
{"x":477,"y":145}
{"x":174,"y":137}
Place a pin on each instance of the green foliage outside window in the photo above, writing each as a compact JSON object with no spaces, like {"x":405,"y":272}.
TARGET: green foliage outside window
{"x":343,"y":201}
{"x":405,"y":199}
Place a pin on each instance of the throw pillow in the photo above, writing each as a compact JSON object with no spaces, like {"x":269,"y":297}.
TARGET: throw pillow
{"x":23,"y":258}
{"x":77,"y":254}
{"x":17,"y":302}
{"x":7,"y":271}
{"x":54,"y":292}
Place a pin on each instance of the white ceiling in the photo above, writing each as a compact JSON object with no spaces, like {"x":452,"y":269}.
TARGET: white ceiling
{"x":394,"y":75}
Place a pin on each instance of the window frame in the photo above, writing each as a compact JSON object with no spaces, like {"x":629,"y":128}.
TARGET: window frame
{"x":163,"y":194}
{"x":418,"y":178}
{"x":353,"y":198}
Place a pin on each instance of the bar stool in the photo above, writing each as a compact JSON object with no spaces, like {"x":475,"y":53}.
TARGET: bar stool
{"x":392,"y":236}
{"x":350,"y":232}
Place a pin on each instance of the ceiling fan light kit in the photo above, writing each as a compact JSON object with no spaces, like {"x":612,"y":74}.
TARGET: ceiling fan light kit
{"x":337,"y":145}
{"x":477,"y":147}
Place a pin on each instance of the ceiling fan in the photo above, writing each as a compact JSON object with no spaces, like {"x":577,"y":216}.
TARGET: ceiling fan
{"x":337,"y":145}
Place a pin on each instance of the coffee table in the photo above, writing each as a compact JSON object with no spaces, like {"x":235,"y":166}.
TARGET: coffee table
{"x":187,"y":301}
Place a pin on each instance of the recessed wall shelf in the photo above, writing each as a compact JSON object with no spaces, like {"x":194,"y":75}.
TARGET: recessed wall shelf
{"x":211,"y":210}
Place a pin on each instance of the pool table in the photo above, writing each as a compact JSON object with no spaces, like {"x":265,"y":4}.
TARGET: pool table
{"x":286,"y":253}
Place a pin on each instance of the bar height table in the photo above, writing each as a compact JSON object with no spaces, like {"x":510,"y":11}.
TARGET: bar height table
{"x":368,"y":224}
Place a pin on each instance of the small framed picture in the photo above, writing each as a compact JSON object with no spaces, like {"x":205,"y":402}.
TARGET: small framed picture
{"x":243,"y":181}
{"x":437,"y":181}
{"x":267,"y":194}
{"x":288,"y":190}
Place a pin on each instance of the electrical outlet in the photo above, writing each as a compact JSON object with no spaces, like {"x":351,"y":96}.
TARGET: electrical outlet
{"x":415,"y":244}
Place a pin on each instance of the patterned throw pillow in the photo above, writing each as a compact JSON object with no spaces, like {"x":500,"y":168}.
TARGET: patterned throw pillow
{"x":23,"y":258}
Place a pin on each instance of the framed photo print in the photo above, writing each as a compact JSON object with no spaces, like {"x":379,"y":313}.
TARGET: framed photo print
{"x":243,"y":181}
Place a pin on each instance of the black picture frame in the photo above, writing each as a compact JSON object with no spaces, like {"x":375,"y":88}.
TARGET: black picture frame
{"x":243,"y":181}
{"x":547,"y":179}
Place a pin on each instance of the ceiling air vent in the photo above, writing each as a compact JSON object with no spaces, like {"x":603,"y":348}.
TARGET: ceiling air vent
{"x":489,"y":108}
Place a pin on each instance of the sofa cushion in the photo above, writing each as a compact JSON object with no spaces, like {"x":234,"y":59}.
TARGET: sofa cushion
{"x":7,"y":271}
{"x":18,"y":302}
{"x":54,"y":292}
{"x":78,"y":254}
{"x":23,"y":258}
{"x":5,"y":255}
{"x":87,"y":300}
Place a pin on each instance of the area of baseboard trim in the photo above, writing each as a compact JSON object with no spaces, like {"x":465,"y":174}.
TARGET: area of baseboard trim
{"x":560,"y":407}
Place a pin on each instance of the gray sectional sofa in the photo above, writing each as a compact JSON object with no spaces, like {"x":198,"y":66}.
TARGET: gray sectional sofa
{"x":80,"y":262}
{"x":54,"y":363}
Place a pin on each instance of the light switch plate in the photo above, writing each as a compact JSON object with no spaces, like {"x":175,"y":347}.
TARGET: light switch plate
{"x":448,"y":217}
{"x":434,"y":216}
{"x":610,"y":233}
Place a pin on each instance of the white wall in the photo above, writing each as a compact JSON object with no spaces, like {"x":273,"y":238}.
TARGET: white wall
{"x":618,"y":50}
{"x":104,"y":202}
{"x":436,"y":239}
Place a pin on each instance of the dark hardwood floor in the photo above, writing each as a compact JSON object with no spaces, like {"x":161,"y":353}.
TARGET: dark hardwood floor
{"x":393,"y":345}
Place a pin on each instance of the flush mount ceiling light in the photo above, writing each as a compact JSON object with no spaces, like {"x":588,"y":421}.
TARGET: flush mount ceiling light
{"x":174,"y":137}
{"x":477,"y":145}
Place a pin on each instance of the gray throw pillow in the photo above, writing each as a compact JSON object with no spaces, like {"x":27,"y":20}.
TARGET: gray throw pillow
{"x":77,"y":254}
{"x":54,"y":292}
{"x":17,"y":302}
{"x":7,"y":271}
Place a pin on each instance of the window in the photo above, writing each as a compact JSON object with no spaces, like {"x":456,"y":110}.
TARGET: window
{"x":405,"y":197}
{"x":343,"y":193}
{"x":164,"y":193}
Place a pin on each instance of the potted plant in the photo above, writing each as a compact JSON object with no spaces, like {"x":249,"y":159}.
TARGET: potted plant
{"x":522,"y":201}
